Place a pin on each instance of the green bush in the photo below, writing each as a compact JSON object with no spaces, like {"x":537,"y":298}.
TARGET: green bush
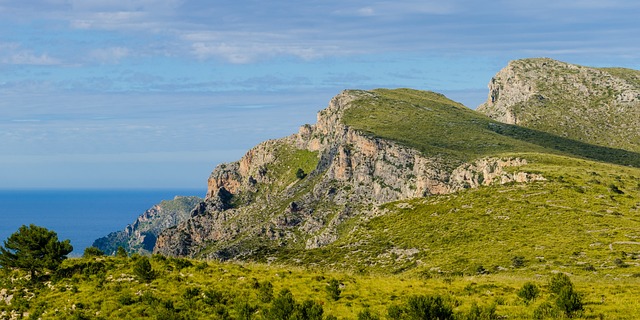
{"x":121,"y":252}
{"x":265,"y":291}
{"x":528,"y":292}
{"x":428,"y":307}
{"x":366,"y":314}
{"x":283,"y":306}
{"x":245,"y":310}
{"x":143,"y":270}
{"x":333,"y":289}
{"x":92,"y":252}
{"x":308,"y":310}
{"x":482,"y":313}
{"x":569,"y":301}
{"x":558,"y":281}
{"x":546,"y":310}
{"x":300,"y":174}
{"x":213,"y":297}
{"x":517,"y":261}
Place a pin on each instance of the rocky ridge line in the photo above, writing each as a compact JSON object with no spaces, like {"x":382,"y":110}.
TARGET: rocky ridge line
{"x":596,"y":106}
{"x":353,"y":173}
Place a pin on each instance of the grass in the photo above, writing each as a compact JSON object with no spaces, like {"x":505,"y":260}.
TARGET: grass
{"x":191,"y":289}
{"x":580,"y":103}
{"x":583,"y":219}
{"x":441,"y":128}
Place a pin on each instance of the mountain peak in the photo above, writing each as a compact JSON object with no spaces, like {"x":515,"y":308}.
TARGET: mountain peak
{"x":600,"y":106}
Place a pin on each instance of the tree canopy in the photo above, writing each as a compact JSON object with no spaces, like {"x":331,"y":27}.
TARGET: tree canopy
{"x":35,"y":249}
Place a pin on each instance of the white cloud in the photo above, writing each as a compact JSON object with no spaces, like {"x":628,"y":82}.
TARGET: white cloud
{"x":247,"y":47}
{"x":109,"y":55}
{"x":366,"y":11}
{"x":12,"y":54}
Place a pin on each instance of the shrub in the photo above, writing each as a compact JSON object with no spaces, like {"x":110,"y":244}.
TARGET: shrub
{"x":394,"y":312}
{"x":517,"y":261}
{"x":300,"y":174}
{"x":143,"y":270}
{"x":308,"y":310}
{"x":366,"y":314}
{"x":283,"y":306}
{"x":546,"y":311}
{"x":528,"y":292}
{"x":569,"y":301}
{"x":615,"y":189}
{"x":482,"y":313}
{"x":265,"y":291}
{"x":333,"y":289}
{"x":181,"y":263}
{"x":121,"y":252}
{"x":92,"y":252}
{"x":191,"y":293}
{"x":428,"y":307}
{"x":213,"y":297}
{"x":245,"y":310}
{"x":126,"y":299}
{"x":559,"y":281}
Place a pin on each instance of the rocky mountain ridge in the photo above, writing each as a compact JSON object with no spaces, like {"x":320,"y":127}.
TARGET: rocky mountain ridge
{"x":259,"y":201}
{"x":140,"y":236}
{"x":600,"y":106}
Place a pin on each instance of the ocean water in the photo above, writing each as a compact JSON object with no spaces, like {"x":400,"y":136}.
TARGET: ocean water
{"x":78,"y":215}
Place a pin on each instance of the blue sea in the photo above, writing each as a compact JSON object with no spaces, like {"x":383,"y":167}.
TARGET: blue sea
{"x":78,"y":215}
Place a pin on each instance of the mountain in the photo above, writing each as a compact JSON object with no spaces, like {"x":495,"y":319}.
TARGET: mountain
{"x":361,"y":189}
{"x":599,"y":106}
{"x":362,"y":152}
{"x":140,"y":237}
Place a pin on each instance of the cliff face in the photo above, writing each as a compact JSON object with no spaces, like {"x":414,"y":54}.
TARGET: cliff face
{"x":140,"y":237}
{"x":299,"y":192}
{"x":596,"y":106}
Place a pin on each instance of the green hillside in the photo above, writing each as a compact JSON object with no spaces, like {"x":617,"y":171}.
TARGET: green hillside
{"x":111,"y":288}
{"x":437,"y":126}
{"x":598,"y":106}
{"x":584,"y":219}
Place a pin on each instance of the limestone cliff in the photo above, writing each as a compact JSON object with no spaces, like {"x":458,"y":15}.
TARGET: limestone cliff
{"x":300,"y":192}
{"x":595,"y":106}
{"x":140,"y":237}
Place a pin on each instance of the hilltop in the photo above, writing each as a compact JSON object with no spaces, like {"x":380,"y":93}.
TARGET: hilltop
{"x":599,"y":106}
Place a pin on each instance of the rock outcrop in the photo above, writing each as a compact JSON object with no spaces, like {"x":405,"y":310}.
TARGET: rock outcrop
{"x":595,"y":106}
{"x":262,"y":202}
{"x":140,"y":237}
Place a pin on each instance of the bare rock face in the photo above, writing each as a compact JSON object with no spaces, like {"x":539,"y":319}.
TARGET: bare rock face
{"x":596,"y":106}
{"x":258,"y":202}
{"x":140,"y":236}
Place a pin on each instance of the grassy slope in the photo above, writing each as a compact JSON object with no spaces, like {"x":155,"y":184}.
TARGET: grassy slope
{"x":187,"y":289}
{"x":567,"y":110}
{"x":439,"y":127}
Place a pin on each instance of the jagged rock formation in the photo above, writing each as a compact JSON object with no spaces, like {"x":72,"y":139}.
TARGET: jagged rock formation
{"x":595,"y":106}
{"x":261,"y":203}
{"x":140,"y":237}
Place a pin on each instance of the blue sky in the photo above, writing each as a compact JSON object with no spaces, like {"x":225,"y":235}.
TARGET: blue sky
{"x":155,"y":93}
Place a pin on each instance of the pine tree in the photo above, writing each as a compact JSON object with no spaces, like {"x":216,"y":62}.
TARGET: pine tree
{"x":34,"y":249}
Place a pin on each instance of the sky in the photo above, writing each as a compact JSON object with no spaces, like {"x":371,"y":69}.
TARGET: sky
{"x":156,"y":93}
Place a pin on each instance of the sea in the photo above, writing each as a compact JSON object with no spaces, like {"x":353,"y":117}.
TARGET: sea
{"x":81,"y":216}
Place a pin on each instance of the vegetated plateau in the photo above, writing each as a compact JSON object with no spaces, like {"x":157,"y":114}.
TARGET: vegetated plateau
{"x":398,"y":203}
